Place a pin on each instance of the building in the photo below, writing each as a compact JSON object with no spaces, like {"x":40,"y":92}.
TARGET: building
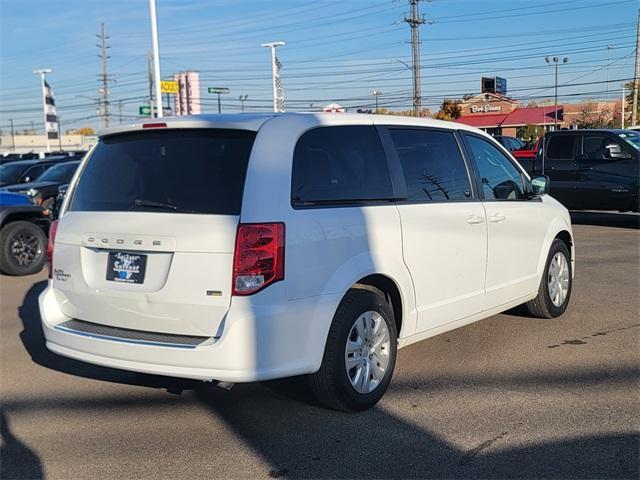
{"x":499,"y":114}
{"x":187,"y":101}
{"x":38,"y":143}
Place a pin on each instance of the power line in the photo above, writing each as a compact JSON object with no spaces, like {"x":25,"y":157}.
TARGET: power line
{"x":104,"y":76}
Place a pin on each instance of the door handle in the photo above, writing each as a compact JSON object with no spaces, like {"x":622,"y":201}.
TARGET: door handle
{"x":474,"y":219}
{"x":497,"y":218}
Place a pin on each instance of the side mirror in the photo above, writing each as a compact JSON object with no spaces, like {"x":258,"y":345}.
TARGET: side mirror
{"x":26,"y":179}
{"x":613,"y":150}
{"x":540,"y":184}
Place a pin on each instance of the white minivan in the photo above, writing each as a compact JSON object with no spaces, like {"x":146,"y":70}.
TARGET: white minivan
{"x":242,"y":248}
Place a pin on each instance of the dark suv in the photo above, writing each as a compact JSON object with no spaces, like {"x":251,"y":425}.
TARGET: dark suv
{"x":592,"y":169}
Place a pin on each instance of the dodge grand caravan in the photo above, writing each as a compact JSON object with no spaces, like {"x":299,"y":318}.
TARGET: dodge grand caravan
{"x":241,"y":248}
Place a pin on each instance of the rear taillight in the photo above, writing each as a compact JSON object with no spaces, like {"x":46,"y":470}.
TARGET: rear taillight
{"x":53,"y":229}
{"x":259,"y":257}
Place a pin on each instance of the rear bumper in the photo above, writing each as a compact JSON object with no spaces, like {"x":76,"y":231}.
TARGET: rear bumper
{"x":259,"y":342}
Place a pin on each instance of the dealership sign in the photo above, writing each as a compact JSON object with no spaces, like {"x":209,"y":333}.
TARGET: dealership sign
{"x":485,"y":108}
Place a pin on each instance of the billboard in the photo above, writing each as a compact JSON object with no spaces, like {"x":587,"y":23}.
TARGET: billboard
{"x":493,"y":85}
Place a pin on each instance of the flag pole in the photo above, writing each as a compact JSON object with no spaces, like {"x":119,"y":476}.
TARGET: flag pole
{"x":42,"y":72}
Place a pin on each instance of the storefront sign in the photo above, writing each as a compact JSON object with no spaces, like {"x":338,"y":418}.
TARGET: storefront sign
{"x":485,"y":108}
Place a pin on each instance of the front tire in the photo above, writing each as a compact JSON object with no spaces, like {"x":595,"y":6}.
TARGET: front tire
{"x":554,"y":292}
{"x":360,"y":353}
{"x":22,"y":248}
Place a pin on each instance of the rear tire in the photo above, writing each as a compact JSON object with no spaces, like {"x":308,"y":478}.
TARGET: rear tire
{"x":554,"y":292}
{"x":22,"y":248}
{"x":364,"y":322}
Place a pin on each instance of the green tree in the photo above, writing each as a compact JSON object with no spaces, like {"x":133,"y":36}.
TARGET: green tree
{"x":530,"y":133}
{"x":449,"y":110}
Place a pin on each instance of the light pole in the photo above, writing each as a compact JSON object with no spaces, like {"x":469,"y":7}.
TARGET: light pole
{"x":555,"y":61}
{"x":242,"y":98}
{"x":43,"y":72}
{"x":376,"y":94}
{"x":156,"y":59}
{"x":623,"y":100}
{"x":275,"y":75}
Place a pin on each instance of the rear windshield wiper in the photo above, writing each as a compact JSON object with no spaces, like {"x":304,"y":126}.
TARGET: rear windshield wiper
{"x":141,"y":202}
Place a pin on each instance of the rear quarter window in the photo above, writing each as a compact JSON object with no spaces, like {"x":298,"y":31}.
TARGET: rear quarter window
{"x":190,"y":170}
{"x":340,"y":165}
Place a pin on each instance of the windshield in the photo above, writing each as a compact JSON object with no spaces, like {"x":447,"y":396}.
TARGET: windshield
{"x":59,"y":173}
{"x":10,"y":172}
{"x":632,"y":137}
{"x":174,"y":171}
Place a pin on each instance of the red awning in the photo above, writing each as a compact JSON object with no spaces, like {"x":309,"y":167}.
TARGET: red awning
{"x":483,"y":121}
{"x":531,"y":116}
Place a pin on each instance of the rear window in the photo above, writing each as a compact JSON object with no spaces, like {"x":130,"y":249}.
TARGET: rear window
{"x":184,"y":171}
{"x":340,"y":165}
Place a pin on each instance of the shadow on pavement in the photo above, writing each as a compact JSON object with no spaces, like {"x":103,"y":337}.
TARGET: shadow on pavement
{"x":16,"y":459}
{"x":606,"y":219}
{"x":278,"y":421}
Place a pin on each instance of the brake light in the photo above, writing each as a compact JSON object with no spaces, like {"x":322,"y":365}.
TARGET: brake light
{"x":53,"y":229}
{"x":258,"y":259}
{"x":154,"y":125}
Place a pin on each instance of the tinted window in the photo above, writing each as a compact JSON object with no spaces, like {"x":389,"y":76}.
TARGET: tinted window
{"x":594,"y":147}
{"x":501,"y":179}
{"x":560,"y":147}
{"x":33,"y":173}
{"x":339,"y":165}
{"x":432,"y":164}
{"x":59,"y":173}
{"x":197,"y":171}
{"x":11,"y":172}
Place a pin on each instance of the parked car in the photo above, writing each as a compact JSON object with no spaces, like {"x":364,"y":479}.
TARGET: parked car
{"x":44,"y":190}
{"x":23,"y":235}
{"x":592,"y":169}
{"x":25,"y":171}
{"x":243,"y":248}
{"x":510,"y":143}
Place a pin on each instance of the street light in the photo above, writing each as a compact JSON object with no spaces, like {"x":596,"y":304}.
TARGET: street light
{"x":43,"y":72}
{"x":376,"y":94}
{"x":556,"y":61}
{"x":243,"y":98}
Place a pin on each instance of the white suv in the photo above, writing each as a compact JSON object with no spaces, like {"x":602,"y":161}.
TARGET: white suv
{"x":241,"y":248}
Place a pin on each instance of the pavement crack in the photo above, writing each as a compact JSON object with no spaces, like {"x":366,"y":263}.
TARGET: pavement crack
{"x":474,"y":452}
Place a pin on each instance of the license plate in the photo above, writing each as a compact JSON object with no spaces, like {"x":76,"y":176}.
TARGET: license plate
{"x":126,"y":267}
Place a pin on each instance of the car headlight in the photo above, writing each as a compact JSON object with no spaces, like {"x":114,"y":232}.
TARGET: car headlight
{"x":32,"y":192}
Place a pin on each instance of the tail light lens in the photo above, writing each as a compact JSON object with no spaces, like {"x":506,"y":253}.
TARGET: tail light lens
{"x":259,"y":257}
{"x":53,"y":229}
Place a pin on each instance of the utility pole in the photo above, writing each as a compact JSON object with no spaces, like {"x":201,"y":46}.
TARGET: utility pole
{"x":414,"y":21}
{"x":150,"y":80}
{"x":43,"y":72}
{"x":104,"y":76}
{"x":59,"y":135}
{"x":624,"y":100}
{"x":242,"y":98}
{"x":120,"y":112}
{"x":156,"y":57}
{"x":634,"y":113}
{"x":376,"y":94}
{"x":13,"y":137}
{"x":278,"y":97}
{"x":188,"y":93}
{"x":556,"y":61}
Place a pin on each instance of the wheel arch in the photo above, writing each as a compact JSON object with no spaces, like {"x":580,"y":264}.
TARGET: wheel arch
{"x":390,"y":290}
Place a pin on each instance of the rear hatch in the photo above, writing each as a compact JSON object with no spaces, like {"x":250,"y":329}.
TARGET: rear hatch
{"x":147,"y":240}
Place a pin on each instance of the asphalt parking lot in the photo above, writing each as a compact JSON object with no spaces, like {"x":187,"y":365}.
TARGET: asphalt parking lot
{"x":509,"y":396}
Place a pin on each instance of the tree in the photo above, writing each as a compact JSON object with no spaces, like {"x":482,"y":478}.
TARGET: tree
{"x":449,"y":110}
{"x":82,"y":131}
{"x":592,"y":116}
{"x":629,"y":106}
{"x":530,"y":133}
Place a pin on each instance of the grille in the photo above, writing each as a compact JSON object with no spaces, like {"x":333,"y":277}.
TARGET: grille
{"x":88,"y":329}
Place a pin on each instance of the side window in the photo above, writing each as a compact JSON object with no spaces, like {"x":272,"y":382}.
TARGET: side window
{"x":338,"y":165}
{"x":432,"y":164}
{"x":560,"y":147}
{"x":594,"y":147}
{"x":501,"y":179}
{"x":33,"y":173}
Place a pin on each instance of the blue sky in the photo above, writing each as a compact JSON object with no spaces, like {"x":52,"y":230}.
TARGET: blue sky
{"x":336,"y":51}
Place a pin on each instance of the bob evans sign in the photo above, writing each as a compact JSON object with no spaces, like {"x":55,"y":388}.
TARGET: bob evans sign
{"x":485,"y":108}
